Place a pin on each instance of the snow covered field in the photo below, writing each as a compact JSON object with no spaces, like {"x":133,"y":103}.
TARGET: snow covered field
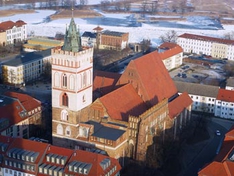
{"x":196,"y":25}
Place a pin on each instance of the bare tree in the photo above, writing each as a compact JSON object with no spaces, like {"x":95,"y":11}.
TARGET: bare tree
{"x":126,"y":5}
{"x":104,"y":4}
{"x":183,"y":6}
{"x":118,"y":6}
{"x":229,"y":36}
{"x":170,"y":36}
{"x":145,"y":45}
{"x":154,"y":6}
{"x":144,"y":6}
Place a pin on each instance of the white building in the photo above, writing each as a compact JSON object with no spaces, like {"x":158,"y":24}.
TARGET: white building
{"x":27,"y":67}
{"x":171,"y":54}
{"x":225,"y":104}
{"x":14,"y":31}
{"x":203,"y":96}
{"x":88,"y":39}
{"x":215,"y":47}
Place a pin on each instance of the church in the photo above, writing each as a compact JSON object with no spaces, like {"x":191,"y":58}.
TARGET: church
{"x":111,"y":113}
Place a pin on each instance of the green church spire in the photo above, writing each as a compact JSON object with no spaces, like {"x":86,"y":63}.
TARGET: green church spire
{"x":72,"y":41}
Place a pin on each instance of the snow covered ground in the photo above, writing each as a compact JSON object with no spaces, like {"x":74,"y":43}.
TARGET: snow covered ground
{"x":38,"y":24}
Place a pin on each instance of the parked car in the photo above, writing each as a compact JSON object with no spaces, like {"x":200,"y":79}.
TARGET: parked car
{"x":218,"y":133}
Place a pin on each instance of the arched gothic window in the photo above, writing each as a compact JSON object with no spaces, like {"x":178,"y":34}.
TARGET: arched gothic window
{"x":59,"y":129}
{"x":64,"y":80}
{"x":64,"y":115}
{"x":65,"y":100}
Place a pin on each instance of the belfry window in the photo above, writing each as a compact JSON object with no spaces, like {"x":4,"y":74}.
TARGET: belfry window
{"x":65,"y":100}
{"x":64,"y":80}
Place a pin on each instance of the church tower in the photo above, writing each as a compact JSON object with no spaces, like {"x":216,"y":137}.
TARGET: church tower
{"x":72,"y":82}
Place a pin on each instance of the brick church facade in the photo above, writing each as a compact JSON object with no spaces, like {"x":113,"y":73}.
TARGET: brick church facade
{"x":111,"y":113}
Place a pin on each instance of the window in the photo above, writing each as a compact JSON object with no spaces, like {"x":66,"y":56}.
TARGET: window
{"x":60,"y":129}
{"x":68,"y":131}
{"x":64,"y":115}
{"x":64,"y":80}
{"x":84,"y":79}
{"x":65,"y":100}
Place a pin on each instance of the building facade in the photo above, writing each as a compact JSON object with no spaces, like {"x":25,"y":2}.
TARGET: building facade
{"x":215,"y":47}
{"x":31,"y":158}
{"x":20,"y":115}
{"x":171,"y":54}
{"x":72,"y":70}
{"x":13,"y":31}
{"x":24,"y":68}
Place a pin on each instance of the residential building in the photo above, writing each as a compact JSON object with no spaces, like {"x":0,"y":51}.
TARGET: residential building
{"x":32,"y":158}
{"x":225,"y":104}
{"x":106,"y":39}
{"x":215,"y":47}
{"x":223,"y":163}
{"x":203,"y":96}
{"x":171,"y":54}
{"x":89,"y":39}
{"x":115,"y":114}
{"x":20,"y":115}
{"x":12,"y":32}
{"x":24,"y":68}
{"x":39,"y":43}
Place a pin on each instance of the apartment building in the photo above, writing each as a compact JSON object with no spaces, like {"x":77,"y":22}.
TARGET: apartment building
{"x":24,"y":68}
{"x":20,"y":115}
{"x":12,"y":32}
{"x":215,"y":47}
{"x":171,"y":54}
{"x":21,"y":157}
{"x":203,"y":96}
{"x":111,"y":40}
{"x":225,"y":104}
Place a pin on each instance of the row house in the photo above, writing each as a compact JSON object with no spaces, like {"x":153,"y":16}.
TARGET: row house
{"x":12,"y":32}
{"x":22,"y":157}
{"x":210,"y":99}
{"x":24,"y":68}
{"x":20,"y":115}
{"x":203,"y":96}
{"x":215,"y":47}
{"x":171,"y":54}
{"x":223,"y":162}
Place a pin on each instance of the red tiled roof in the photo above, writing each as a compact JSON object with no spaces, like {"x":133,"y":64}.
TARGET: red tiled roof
{"x":152,"y":76}
{"x":213,"y":169}
{"x":30,"y":145}
{"x":225,"y":95}
{"x":94,"y":159}
{"x":98,"y":28}
{"x":28,"y":102}
{"x":105,"y":82}
{"x":230,"y":134}
{"x":206,"y":38}
{"x":123,"y":102}
{"x":171,"y":49}
{"x":10,"y":24}
{"x":179,"y":104}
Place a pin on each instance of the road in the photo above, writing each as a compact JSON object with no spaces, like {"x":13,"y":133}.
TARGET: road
{"x":209,"y":149}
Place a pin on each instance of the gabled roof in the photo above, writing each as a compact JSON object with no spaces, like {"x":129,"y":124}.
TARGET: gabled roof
{"x":98,"y":28}
{"x":153,"y":76}
{"x":123,"y":102}
{"x":197,"y":89}
{"x":214,"y":169}
{"x":206,"y":38}
{"x":225,"y":95}
{"x":113,"y":33}
{"x":89,"y":34}
{"x":104,"y":82}
{"x":167,"y":50}
{"x":27,"y":58}
{"x":29,"y":103}
{"x":93,"y":162}
{"x":180,"y":103}
{"x":10,"y":24}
